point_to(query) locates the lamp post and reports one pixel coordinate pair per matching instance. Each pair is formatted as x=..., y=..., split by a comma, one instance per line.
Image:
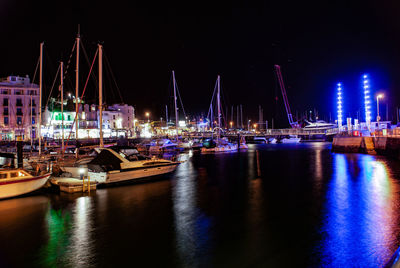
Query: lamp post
x=248, y=125
x=255, y=127
x=367, y=101
x=231, y=124
x=148, y=117
x=378, y=118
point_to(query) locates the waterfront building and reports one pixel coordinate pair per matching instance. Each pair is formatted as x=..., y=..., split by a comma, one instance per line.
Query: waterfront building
x=19, y=114
x=53, y=121
x=19, y=103
x=124, y=118
x=118, y=120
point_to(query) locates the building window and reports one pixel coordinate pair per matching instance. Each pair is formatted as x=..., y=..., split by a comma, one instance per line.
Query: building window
x=33, y=111
x=33, y=120
x=5, y=102
x=19, y=120
x=19, y=102
x=114, y=117
x=19, y=111
x=5, y=112
x=5, y=120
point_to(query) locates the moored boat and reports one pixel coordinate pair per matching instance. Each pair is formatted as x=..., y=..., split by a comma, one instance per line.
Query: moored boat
x=162, y=145
x=16, y=182
x=291, y=139
x=221, y=145
x=111, y=167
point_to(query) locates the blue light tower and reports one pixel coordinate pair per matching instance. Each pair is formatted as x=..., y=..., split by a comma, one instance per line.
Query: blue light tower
x=367, y=100
x=339, y=105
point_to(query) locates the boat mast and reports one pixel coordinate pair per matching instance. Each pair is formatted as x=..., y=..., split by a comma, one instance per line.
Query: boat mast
x=219, y=108
x=62, y=106
x=166, y=114
x=78, y=39
x=176, y=108
x=31, y=124
x=40, y=98
x=101, y=94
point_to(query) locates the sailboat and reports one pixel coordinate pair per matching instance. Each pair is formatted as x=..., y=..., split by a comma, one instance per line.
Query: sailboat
x=220, y=144
x=112, y=165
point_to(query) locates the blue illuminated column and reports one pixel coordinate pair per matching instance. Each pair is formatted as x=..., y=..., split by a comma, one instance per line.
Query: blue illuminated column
x=339, y=106
x=367, y=100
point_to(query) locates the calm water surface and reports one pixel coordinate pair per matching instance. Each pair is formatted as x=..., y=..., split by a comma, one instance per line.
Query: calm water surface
x=309, y=208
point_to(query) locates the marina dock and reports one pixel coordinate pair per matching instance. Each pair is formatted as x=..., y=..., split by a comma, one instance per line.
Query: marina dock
x=73, y=185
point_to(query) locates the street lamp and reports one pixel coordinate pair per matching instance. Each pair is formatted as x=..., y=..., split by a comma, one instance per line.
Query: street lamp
x=255, y=127
x=248, y=125
x=147, y=115
x=231, y=124
x=380, y=96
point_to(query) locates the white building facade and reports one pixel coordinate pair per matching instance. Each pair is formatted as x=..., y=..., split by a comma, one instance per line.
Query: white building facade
x=19, y=108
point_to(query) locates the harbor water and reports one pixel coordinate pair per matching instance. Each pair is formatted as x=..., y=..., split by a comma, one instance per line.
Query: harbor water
x=309, y=208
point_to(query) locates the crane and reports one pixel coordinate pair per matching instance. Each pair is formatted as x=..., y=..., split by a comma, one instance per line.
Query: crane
x=285, y=99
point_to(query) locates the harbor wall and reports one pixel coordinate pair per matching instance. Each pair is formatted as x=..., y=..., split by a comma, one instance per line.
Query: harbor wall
x=347, y=144
x=389, y=146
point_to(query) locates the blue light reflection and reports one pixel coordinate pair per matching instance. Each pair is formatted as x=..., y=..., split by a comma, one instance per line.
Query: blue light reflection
x=360, y=222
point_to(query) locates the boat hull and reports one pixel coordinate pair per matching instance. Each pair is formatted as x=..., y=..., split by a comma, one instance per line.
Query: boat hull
x=291, y=140
x=130, y=175
x=15, y=188
x=225, y=148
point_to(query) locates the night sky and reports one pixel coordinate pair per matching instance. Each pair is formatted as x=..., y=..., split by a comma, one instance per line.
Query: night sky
x=316, y=43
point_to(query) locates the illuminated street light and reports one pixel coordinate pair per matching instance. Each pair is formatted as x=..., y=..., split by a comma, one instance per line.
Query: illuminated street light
x=339, y=105
x=367, y=100
x=255, y=127
x=231, y=124
x=148, y=117
x=380, y=96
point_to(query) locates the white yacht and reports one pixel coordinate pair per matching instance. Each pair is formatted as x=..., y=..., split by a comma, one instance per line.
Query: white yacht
x=110, y=167
x=290, y=139
x=319, y=125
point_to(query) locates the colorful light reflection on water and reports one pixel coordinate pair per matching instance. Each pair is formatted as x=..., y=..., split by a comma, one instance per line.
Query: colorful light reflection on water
x=309, y=207
x=360, y=218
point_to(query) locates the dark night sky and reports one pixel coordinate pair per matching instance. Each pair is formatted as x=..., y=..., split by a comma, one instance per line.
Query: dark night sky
x=316, y=43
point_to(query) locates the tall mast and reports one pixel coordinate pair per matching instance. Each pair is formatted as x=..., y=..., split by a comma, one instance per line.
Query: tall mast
x=241, y=116
x=237, y=117
x=78, y=39
x=176, y=108
x=101, y=94
x=232, y=114
x=31, y=123
x=219, y=106
x=62, y=106
x=40, y=98
x=166, y=114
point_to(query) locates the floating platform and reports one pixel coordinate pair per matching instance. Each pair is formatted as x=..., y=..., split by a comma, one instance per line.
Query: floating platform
x=73, y=185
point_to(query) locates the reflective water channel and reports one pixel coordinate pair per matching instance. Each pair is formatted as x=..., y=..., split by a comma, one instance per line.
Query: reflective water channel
x=309, y=208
